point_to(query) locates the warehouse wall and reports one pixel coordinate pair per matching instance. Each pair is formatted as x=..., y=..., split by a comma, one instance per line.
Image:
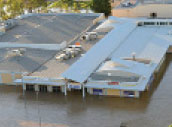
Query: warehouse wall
x=170, y=49
x=113, y=92
x=110, y=92
x=162, y=10
x=9, y=77
x=6, y=78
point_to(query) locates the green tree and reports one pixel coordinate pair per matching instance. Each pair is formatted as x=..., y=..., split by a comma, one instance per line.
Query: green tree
x=101, y=6
x=30, y=5
x=71, y=5
x=62, y=4
x=14, y=8
x=3, y=15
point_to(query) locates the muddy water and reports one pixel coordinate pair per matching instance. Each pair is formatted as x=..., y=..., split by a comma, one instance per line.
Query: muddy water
x=153, y=109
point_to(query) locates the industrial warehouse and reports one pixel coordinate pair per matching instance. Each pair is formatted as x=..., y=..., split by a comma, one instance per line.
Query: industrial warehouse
x=124, y=62
x=30, y=42
x=61, y=52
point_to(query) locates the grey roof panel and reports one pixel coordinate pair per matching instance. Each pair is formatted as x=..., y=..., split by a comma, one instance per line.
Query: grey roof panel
x=82, y=69
x=40, y=30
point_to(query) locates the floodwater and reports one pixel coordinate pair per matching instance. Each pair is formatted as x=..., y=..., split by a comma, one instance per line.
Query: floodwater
x=153, y=109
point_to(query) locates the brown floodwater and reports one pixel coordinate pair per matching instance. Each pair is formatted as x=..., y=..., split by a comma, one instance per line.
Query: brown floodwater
x=153, y=109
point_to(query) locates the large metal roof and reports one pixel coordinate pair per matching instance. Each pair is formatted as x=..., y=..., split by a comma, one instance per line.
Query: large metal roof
x=41, y=35
x=83, y=68
x=147, y=42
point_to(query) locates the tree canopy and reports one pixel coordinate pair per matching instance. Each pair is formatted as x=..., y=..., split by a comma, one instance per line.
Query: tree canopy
x=101, y=6
x=33, y=4
x=72, y=5
x=13, y=8
x=2, y=12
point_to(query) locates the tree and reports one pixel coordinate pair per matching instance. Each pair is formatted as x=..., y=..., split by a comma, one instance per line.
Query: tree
x=33, y=4
x=62, y=4
x=79, y=5
x=14, y=8
x=70, y=5
x=3, y=14
x=101, y=6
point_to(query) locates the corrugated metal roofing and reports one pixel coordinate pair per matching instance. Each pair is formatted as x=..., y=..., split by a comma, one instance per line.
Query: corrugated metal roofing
x=42, y=31
x=147, y=42
x=82, y=69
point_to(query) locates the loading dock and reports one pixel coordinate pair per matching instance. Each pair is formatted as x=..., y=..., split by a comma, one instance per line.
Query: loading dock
x=42, y=88
x=56, y=89
x=30, y=87
x=43, y=84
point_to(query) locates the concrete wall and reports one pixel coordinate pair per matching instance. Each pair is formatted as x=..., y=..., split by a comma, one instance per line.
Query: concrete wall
x=6, y=78
x=9, y=77
x=108, y=92
x=169, y=50
x=115, y=3
x=114, y=92
x=136, y=94
x=162, y=10
x=17, y=76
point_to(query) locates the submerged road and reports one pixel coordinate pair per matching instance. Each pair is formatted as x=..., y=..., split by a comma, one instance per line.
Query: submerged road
x=153, y=109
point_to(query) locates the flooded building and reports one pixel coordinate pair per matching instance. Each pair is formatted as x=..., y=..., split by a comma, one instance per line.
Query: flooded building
x=124, y=62
x=66, y=52
x=28, y=49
